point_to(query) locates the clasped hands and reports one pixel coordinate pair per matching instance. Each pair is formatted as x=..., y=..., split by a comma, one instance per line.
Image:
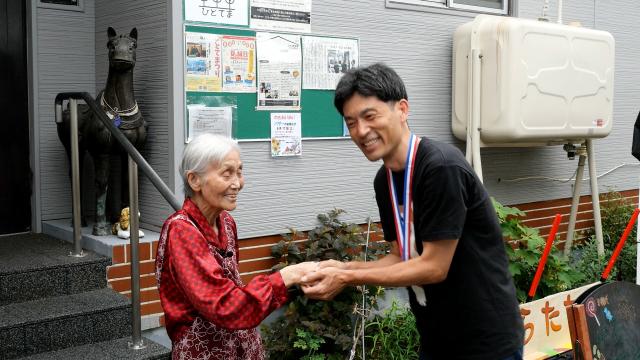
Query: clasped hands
x=319, y=280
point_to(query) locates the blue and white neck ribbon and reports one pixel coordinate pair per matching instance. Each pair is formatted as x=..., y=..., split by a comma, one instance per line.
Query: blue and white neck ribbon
x=403, y=220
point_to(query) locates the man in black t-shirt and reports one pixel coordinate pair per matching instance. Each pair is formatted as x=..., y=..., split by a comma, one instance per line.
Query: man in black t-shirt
x=447, y=245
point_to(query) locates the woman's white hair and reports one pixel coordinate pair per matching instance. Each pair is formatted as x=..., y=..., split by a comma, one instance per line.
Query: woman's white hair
x=204, y=150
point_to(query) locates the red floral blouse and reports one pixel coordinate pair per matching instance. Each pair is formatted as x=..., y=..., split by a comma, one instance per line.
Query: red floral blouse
x=209, y=312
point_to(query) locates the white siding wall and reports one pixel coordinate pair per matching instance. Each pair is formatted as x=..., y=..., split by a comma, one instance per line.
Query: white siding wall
x=71, y=56
x=331, y=173
x=618, y=18
x=65, y=61
x=417, y=44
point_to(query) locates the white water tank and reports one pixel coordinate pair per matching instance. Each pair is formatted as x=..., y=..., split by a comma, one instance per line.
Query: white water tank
x=541, y=83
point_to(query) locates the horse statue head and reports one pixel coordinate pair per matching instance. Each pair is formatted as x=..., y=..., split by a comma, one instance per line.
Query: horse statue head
x=122, y=49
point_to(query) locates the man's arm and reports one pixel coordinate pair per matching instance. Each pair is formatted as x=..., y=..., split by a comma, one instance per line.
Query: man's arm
x=429, y=268
x=392, y=258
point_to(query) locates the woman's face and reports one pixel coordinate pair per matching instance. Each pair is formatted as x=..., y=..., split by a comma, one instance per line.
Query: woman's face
x=220, y=185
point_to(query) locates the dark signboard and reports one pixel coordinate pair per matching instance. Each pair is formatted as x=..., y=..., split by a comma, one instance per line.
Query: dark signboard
x=613, y=318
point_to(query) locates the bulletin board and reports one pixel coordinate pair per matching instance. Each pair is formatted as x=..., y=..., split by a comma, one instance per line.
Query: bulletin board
x=320, y=119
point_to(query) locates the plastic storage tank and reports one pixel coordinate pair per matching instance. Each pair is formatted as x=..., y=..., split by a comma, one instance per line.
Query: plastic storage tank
x=541, y=83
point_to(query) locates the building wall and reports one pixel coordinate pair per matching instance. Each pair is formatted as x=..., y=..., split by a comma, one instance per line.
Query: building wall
x=332, y=173
x=119, y=279
x=281, y=193
x=64, y=60
x=613, y=151
x=255, y=253
x=71, y=55
x=256, y=259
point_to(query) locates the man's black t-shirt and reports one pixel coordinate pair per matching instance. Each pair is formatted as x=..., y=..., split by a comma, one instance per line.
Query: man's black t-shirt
x=474, y=313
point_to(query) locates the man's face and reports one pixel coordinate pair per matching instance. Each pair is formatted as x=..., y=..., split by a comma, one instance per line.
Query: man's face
x=375, y=126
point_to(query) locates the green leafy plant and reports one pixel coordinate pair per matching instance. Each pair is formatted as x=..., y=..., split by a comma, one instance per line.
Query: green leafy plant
x=309, y=342
x=591, y=265
x=392, y=334
x=332, y=321
x=616, y=212
x=524, y=247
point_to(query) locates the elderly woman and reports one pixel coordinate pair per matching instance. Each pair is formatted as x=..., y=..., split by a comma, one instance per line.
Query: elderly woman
x=209, y=312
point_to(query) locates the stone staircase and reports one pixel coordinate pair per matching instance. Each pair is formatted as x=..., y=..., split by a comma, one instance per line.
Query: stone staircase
x=53, y=306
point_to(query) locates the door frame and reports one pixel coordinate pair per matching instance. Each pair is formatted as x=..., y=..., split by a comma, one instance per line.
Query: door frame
x=34, y=128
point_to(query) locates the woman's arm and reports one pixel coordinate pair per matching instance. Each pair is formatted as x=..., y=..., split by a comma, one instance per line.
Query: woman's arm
x=392, y=258
x=217, y=298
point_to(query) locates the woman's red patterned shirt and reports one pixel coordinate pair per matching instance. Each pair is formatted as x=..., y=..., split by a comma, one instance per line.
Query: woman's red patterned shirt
x=209, y=312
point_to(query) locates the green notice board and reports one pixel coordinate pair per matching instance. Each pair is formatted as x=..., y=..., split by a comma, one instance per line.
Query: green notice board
x=319, y=116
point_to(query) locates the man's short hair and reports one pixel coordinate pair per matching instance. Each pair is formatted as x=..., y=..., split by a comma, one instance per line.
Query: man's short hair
x=377, y=80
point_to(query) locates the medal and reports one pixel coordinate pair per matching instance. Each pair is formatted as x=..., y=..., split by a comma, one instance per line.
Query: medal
x=403, y=220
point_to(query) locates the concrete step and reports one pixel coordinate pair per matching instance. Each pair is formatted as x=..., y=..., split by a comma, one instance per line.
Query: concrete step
x=61, y=322
x=35, y=266
x=61, y=229
x=112, y=349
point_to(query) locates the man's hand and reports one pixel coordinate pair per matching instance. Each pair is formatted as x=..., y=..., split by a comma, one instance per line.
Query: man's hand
x=325, y=283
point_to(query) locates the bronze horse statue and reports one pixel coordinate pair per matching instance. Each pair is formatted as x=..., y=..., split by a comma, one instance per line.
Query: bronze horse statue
x=119, y=103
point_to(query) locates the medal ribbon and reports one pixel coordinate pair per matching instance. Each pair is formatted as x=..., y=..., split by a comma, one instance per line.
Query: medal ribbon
x=403, y=221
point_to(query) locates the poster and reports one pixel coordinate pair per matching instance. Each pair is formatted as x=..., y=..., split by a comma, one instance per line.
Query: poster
x=203, y=62
x=205, y=119
x=286, y=134
x=279, y=71
x=239, y=63
x=326, y=59
x=229, y=12
x=281, y=15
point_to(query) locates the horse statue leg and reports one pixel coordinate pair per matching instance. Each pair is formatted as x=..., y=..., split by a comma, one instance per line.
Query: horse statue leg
x=101, y=164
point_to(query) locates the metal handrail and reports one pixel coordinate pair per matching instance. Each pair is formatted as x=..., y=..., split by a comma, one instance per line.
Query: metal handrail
x=135, y=160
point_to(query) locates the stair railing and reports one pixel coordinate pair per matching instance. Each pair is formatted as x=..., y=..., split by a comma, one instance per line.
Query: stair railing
x=135, y=160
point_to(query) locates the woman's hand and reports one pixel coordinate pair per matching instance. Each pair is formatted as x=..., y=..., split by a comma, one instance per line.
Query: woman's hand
x=333, y=263
x=293, y=274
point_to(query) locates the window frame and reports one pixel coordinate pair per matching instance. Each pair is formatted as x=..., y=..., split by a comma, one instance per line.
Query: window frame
x=450, y=6
x=503, y=11
x=79, y=6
